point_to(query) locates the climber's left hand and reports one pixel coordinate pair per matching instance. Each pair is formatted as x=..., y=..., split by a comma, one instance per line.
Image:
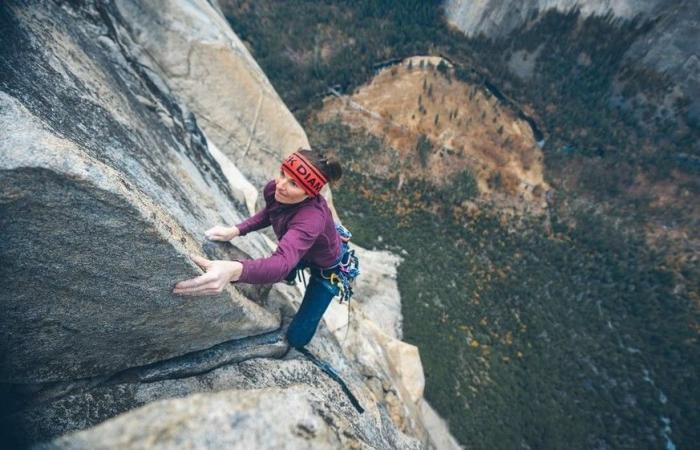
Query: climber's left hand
x=218, y=274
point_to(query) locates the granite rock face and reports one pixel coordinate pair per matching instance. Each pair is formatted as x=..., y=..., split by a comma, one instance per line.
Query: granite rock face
x=670, y=48
x=378, y=294
x=496, y=18
x=256, y=404
x=107, y=185
x=209, y=68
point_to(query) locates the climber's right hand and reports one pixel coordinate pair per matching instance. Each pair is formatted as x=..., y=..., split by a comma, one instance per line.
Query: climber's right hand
x=218, y=274
x=221, y=233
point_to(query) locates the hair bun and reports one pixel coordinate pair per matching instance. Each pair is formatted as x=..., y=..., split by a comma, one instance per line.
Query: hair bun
x=333, y=170
x=327, y=164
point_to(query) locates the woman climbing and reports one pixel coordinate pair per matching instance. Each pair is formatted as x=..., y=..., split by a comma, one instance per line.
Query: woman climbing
x=307, y=235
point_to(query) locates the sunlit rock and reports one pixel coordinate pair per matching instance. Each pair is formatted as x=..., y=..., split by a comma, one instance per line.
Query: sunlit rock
x=209, y=68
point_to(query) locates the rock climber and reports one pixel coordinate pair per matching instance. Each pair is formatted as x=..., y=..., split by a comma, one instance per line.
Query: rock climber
x=308, y=237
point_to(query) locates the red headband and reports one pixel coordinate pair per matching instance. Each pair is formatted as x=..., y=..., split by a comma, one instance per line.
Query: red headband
x=306, y=174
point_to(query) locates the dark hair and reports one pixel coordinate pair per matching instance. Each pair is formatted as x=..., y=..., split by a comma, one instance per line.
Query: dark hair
x=327, y=164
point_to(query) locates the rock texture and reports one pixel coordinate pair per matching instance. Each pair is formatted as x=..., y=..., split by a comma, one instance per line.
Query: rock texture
x=378, y=294
x=209, y=68
x=107, y=183
x=496, y=18
x=669, y=48
x=55, y=409
x=278, y=404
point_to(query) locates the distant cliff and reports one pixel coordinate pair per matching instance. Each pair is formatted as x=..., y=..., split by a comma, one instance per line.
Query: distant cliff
x=496, y=18
x=669, y=48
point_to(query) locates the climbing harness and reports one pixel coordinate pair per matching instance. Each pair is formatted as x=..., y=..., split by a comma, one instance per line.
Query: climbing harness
x=342, y=273
x=330, y=371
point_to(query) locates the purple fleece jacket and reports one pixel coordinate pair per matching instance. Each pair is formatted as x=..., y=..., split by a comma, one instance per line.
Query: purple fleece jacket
x=305, y=231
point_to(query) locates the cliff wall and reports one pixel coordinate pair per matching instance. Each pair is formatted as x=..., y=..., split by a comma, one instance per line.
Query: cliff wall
x=497, y=18
x=669, y=48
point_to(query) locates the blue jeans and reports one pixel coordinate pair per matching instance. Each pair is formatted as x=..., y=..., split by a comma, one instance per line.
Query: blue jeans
x=318, y=296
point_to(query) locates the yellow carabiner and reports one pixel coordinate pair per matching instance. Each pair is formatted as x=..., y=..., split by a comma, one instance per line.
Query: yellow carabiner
x=334, y=278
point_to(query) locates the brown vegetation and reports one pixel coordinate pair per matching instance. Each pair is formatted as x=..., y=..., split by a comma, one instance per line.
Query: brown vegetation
x=441, y=126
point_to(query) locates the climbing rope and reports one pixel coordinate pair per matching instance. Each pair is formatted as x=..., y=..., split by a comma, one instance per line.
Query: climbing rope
x=330, y=371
